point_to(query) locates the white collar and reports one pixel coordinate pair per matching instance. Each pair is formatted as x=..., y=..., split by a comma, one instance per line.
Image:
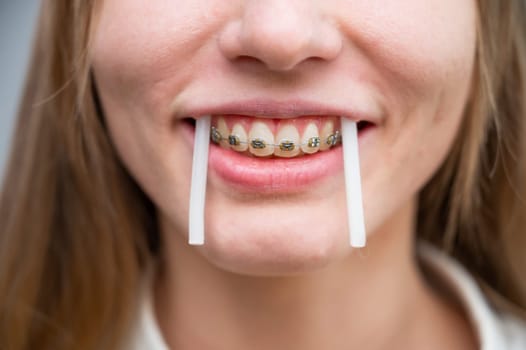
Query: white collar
x=147, y=335
x=483, y=319
x=494, y=332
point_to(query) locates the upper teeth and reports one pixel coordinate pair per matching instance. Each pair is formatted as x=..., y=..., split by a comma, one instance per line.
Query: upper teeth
x=287, y=138
x=261, y=142
x=261, y=139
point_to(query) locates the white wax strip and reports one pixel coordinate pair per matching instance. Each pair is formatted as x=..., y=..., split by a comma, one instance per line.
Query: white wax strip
x=196, y=234
x=353, y=183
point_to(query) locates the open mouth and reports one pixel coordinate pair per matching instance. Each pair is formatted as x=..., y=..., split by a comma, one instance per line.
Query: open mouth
x=260, y=156
x=277, y=138
x=271, y=155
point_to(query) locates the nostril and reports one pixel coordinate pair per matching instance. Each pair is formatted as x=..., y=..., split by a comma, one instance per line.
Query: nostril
x=248, y=59
x=270, y=63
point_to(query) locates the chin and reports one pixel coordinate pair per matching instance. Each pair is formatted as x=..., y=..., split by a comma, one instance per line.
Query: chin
x=276, y=247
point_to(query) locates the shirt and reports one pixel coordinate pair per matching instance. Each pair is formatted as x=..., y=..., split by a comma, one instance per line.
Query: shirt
x=495, y=331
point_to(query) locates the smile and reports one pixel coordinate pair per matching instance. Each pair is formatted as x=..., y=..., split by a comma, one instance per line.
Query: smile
x=276, y=138
x=277, y=176
x=261, y=147
x=271, y=155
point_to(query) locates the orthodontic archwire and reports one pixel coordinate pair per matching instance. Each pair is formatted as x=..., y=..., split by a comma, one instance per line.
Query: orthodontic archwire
x=285, y=145
x=206, y=133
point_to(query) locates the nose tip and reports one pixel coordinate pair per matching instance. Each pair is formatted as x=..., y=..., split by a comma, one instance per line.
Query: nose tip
x=280, y=38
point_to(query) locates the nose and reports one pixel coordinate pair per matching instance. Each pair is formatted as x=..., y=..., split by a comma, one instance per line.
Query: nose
x=280, y=34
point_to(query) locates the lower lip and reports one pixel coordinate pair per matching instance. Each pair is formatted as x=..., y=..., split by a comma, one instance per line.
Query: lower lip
x=273, y=175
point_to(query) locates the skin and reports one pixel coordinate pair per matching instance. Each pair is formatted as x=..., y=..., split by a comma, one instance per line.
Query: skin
x=407, y=63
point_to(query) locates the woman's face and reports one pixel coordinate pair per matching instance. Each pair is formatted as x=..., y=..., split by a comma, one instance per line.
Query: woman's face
x=283, y=70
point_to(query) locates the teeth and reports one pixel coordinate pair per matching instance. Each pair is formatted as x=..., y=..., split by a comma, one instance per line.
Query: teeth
x=287, y=143
x=215, y=135
x=310, y=141
x=334, y=139
x=261, y=140
x=238, y=139
x=288, y=140
x=222, y=128
x=326, y=131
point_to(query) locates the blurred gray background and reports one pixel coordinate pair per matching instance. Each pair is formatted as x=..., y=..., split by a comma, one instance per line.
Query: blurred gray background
x=17, y=23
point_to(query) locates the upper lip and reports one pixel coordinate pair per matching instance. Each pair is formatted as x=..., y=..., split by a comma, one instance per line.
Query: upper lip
x=284, y=109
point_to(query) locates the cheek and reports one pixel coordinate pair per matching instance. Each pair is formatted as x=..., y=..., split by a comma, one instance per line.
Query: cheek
x=426, y=61
x=151, y=151
x=140, y=48
x=414, y=44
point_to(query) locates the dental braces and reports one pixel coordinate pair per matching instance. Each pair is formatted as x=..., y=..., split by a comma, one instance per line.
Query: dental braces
x=285, y=145
x=351, y=163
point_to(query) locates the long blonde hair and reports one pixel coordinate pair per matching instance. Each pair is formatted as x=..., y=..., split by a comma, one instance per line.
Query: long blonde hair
x=76, y=232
